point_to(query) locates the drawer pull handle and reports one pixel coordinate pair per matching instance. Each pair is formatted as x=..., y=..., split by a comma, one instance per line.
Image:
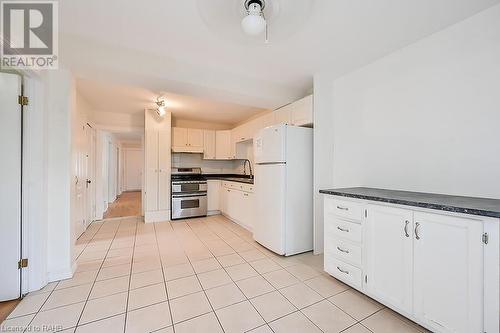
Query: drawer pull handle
x=417, y=228
x=406, y=228
x=342, y=229
x=341, y=270
x=342, y=250
x=342, y=208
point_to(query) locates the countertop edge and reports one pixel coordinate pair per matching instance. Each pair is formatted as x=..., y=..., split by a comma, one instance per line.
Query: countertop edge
x=447, y=208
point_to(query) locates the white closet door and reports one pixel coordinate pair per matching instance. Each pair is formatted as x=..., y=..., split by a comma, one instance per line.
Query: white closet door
x=151, y=171
x=10, y=191
x=164, y=165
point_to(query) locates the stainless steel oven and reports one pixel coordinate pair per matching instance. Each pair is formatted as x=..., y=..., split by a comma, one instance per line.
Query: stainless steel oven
x=189, y=193
x=189, y=186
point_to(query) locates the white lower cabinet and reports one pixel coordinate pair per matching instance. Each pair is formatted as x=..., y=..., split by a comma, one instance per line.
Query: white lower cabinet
x=448, y=273
x=426, y=265
x=389, y=255
x=237, y=203
x=213, y=196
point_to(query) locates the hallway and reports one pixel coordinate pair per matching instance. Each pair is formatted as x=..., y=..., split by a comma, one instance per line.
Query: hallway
x=202, y=275
x=127, y=204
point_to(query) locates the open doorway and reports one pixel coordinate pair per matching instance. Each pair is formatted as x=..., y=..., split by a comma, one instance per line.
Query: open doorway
x=124, y=175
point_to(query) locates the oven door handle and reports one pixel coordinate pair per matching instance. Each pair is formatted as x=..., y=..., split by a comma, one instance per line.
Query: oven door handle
x=189, y=195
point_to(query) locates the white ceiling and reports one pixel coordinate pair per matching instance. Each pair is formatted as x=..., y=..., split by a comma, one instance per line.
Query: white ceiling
x=113, y=98
x=167, y=45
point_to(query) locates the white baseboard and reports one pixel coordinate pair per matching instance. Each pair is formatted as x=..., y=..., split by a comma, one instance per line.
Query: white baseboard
x=247, y=227
x=157, y=216
x=213, y=212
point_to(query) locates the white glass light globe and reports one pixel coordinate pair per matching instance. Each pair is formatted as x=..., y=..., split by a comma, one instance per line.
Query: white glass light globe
x=253, y=24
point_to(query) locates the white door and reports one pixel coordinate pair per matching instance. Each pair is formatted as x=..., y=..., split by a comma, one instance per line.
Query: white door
x=448, y=266
x=80, y=171
x=270, y=144
x=91, y=170
x=269, y=223
x=133, y=169
x=151, y=148
x=164, y=165
x=389, y=255
x=10, y=189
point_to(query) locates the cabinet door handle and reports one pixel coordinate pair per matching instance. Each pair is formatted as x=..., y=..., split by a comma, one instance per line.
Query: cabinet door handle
x=417, y=228
x=343, y=271
x=406, y=228
x=342, y=229
x=342, y=250
x=342, y=208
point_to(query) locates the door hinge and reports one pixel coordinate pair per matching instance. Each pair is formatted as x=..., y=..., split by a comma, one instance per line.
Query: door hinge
x=485, y=237
x=23, y=263
x=23, y=100
x=366, y=212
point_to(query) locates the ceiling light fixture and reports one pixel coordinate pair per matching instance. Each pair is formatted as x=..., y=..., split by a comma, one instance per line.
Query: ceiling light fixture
x=254, y=23
x=162, y=108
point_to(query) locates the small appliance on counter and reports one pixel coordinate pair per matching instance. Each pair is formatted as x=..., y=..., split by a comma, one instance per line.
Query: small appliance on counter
x=189, y=193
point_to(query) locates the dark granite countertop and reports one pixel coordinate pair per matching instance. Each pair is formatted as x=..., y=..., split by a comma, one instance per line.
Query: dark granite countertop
x=231, y=178
x=449, y=203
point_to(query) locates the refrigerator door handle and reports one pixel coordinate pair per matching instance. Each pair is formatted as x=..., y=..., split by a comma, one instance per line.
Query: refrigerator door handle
x=272, y=163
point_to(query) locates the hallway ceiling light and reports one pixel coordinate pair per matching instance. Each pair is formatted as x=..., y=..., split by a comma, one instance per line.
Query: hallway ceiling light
x=162, y=108
x=254, y=23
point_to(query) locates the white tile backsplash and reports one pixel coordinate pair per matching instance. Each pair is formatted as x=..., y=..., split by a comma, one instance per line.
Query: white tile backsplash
x=207, y=166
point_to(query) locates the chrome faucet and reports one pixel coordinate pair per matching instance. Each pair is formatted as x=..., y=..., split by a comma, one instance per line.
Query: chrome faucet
x=249, y=167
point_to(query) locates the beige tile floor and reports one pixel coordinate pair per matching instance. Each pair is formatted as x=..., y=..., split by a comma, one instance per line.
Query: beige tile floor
x=200, y=275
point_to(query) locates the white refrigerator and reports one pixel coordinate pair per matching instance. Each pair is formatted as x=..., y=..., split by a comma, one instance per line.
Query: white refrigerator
x=284, y=189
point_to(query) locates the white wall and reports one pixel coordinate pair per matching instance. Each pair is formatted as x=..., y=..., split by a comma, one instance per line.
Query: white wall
x=323, y=151
x=60, y=107
x=424, y=118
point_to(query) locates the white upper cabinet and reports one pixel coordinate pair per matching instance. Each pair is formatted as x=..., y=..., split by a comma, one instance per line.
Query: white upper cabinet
x=266, y=120
x=388, y=244
x=299, y=113
x=195, y=138
x=283, y=116
x=209, y=143
x=302, y=112
x=448, y=278
x=223, y=148
x=179, y=137
x=188, y=140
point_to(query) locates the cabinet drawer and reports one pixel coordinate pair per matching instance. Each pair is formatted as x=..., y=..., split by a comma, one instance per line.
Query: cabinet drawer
x=343, y=250
x=344, y=229
x=344, y=272
x=346, y=209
